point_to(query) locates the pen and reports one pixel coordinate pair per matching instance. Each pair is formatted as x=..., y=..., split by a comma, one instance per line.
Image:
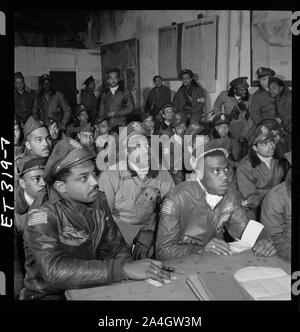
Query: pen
x=168, y=269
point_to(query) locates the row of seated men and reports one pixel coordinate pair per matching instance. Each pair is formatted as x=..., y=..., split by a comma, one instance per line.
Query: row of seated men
x=82, y=220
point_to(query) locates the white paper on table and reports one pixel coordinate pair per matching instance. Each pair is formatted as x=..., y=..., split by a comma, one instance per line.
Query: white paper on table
x=249, y=237
x=265, y=283
x=159, y=284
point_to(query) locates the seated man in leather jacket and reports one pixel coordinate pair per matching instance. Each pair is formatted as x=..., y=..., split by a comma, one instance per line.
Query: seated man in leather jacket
x=70, y=238
x=195, y=213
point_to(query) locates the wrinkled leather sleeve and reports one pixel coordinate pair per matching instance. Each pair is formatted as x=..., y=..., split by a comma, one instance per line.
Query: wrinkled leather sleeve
x=168, y=241
x=61, y=271
x=237, y=222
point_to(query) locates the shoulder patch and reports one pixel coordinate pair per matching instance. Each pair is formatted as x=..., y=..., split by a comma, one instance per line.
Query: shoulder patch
x=37, y=218
x=169, y=207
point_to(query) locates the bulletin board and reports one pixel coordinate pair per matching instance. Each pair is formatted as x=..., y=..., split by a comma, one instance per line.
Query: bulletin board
x=271, y=43
x=191, y=45
x=125, y=56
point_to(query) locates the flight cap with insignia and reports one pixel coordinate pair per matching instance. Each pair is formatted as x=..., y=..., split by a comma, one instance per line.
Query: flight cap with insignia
x=263, y=71
x=89, y=80
x=66, y=153
x=239, y=82
x=220, y=119
x=32, y=124
x=86, y=128
x=200, y=150
x=185, y=71
x=30, y=163
x=261, y=135
x=79, y=108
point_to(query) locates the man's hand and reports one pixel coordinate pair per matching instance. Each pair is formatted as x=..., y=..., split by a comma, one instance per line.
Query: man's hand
x=142, y=244
x=144, y=269
x=217, y=246
x=264, y=247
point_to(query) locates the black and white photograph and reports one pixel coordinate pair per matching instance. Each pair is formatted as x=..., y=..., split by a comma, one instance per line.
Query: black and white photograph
x=152, y=159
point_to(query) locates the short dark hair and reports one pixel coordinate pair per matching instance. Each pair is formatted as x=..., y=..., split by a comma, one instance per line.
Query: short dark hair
x=156, y=77
x=62, y=175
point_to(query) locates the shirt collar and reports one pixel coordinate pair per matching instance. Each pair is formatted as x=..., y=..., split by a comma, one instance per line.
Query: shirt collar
x=113, y=89
x=28, y=198
x=212, y=200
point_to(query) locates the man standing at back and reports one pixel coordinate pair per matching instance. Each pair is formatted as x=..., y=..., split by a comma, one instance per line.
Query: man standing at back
x=51, y=104
x=158, y=97
x=116, y=101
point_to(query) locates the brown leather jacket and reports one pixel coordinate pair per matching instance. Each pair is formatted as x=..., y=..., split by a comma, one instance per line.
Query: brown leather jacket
x=66, y=249
x=187, y=223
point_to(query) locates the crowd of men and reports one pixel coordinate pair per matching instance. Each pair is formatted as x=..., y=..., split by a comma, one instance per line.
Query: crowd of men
x=97, y=203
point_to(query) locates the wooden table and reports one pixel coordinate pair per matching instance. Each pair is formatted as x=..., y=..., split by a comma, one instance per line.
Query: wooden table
x=177, y=289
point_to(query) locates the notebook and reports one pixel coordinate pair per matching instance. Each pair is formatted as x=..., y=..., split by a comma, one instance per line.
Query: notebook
x=216, y=287
x=265, y=283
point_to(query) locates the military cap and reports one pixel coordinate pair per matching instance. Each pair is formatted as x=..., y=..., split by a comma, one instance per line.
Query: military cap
x=79, y=108
x=32, y=124
x=261, y=135
x=44, y=77
x=220, y=119
x=240, y=81
x=86, y=128
x=102, y=118
x=113, y=70
x=89, y=80
x=263, y=71
x=18, y=74
x=270, y=124
x=168, y=106
x=66, y=153
x=203, y=149
x=179, y=118
x=30, y=163
x=49, y=122
x=185, y=71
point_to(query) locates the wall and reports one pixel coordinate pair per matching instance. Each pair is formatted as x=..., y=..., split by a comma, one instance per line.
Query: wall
x=35, y=61
x=233, y=41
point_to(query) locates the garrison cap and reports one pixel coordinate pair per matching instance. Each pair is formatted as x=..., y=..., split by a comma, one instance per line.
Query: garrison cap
x=89, y=80
x=261, y=135
x=30, y=163
x=66, y=153
x=220, y=119
x=263, y=71
x=145, y=115
x=194, y=129
x=79, y=108
x=86, y=128
x=185, y=71
x=173, y=106
x=239, y=82
x=32, y=124
x=276, y=80
x=270, y=124
x=49, y=122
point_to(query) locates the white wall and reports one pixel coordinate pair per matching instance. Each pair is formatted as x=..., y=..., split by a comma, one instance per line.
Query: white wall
x=35, y=61
x=233, y=44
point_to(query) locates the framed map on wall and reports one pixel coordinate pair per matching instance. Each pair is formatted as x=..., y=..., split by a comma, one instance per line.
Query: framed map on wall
x=271, y=43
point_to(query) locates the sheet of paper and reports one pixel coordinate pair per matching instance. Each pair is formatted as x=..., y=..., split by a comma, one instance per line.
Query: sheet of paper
x=239, y=246
x=258, y=272
x=251, y=232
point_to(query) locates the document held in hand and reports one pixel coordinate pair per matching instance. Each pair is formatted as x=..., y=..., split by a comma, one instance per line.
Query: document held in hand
x=249, y=237
x=265, y=283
